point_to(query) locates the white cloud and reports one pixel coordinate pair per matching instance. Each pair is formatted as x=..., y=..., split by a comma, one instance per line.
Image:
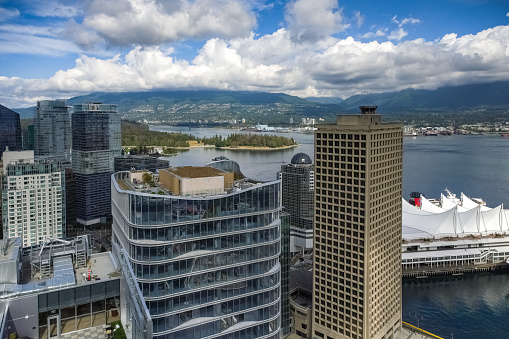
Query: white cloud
x=54, y=8
x=359, y=18
x=397, y=34
x=48, y=31
x=311, y=20
x=374, y=34
x=154, y=22
x=7, y=13
x=38, y=45
x=507, y=15
x=276, y=63
x=405, y=21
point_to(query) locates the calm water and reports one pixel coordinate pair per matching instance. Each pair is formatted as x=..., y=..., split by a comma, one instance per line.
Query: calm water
x=469, y=307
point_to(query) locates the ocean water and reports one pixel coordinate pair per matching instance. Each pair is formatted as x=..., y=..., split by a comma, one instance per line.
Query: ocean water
x=464, y=307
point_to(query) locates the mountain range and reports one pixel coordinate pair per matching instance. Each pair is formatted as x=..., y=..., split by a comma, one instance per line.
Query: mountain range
x=223, y=106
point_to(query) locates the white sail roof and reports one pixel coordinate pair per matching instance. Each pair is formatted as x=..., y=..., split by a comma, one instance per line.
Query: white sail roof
x=469, y=203
x=428, y=206
x=469, y=221
x=437, y=224
x=433, y=221
x=447, y=204
x=492, y=219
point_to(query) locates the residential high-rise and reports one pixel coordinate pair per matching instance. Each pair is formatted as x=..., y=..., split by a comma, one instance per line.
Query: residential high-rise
x=205, y=250
x=52, y=129
x=95, y=142
x=33, y=198
x=10, y=130
x=297, y=187
x=357, y=242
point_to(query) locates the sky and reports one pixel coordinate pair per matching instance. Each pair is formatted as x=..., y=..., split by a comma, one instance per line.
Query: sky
x=52, y=49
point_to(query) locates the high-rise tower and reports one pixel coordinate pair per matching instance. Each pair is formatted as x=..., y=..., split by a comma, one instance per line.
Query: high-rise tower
x=297, y=186
x=33, y=198
x=52, y=128
x=10, y=130
x=205, y=251
x=95, y=142
x=357, y=229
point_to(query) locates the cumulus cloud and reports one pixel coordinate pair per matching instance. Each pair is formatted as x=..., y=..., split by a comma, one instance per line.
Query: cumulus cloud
x=397, y=34
x=311, y=20
x=154, y=22
x=379, y=32
x=276, y=63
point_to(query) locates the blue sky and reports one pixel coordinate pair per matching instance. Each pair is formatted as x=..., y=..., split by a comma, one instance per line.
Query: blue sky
x=61, y=48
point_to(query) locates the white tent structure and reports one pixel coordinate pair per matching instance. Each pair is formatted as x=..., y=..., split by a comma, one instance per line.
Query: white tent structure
x=452, y=220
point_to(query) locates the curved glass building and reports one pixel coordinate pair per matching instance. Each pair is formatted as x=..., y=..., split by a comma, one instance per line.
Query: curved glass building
x=204, y=249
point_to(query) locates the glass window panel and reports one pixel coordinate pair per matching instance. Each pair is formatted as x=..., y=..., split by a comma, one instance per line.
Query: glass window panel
x=53, y=300
x=66, y=297
x=67, y=325
x=42, y=302
x=97, y=291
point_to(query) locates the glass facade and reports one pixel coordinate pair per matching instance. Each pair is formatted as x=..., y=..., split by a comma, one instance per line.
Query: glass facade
x=10, y=130
x=208, y=267
x=52, y=128
x=95, y=143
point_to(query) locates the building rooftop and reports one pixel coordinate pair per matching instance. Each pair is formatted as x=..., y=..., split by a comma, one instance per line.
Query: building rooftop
x=125, y=181
x=195, y=172
x=55, y=265
x=301, y=159
x=101, y=268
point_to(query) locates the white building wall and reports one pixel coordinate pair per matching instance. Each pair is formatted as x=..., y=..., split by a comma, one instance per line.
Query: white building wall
x=196, y=186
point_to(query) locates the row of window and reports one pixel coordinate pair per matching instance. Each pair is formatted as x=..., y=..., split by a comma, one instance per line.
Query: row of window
x=214, y=294
x=269, y=329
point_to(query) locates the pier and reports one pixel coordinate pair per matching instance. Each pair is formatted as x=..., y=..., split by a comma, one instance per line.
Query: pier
x=425, y=272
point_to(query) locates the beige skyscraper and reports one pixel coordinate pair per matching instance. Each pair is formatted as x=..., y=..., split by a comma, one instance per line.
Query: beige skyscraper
x=357, y=230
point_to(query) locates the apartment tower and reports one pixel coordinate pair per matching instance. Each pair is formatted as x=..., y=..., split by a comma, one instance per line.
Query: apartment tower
x=205, y=251
x=95, y=142
x=33, y=198
x=52, y=128
x=357, y=229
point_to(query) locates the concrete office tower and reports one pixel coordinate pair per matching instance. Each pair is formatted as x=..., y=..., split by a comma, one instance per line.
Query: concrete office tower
x=205, y=250
x=95, y=142
x=52, y=129
x=33, y=198
x=357, y=243
x=298, y=188
x=10, y=130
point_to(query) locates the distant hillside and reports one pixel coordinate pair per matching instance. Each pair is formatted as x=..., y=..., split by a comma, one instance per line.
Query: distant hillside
x=444, y=98
x=128, y=99
x=221, y=107
x=325, y=100
x=209, y=106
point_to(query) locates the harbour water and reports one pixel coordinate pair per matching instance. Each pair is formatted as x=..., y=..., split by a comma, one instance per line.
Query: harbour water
x=464, y=307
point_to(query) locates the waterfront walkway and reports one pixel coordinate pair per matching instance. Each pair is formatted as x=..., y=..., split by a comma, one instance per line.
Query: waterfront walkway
x=409, y=331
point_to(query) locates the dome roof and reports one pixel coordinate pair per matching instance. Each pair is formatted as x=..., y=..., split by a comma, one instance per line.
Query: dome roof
x=301, y=159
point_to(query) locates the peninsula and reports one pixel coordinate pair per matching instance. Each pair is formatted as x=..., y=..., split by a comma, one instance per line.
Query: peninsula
x=138, y=139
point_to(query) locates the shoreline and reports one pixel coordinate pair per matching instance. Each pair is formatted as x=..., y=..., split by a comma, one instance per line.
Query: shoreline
x=241, y=148
x=255, y=148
